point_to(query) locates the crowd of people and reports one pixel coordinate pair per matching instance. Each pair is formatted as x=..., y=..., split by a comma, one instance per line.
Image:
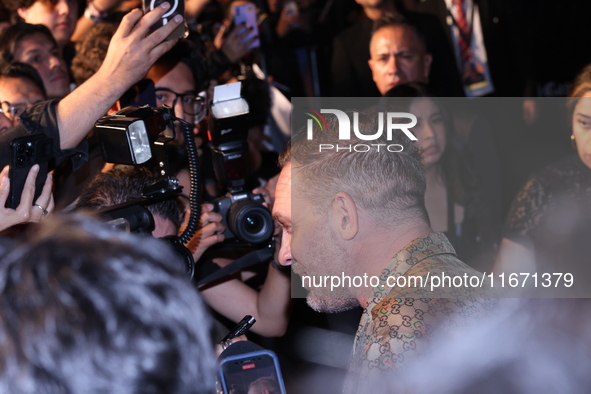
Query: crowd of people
x=485, y=184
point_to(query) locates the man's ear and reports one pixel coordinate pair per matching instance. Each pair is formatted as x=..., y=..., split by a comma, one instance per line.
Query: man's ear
x=23, y=12
x=345, y=216
x=370, y=64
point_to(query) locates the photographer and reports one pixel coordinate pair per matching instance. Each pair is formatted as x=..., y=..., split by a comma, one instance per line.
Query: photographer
x=229, y=296
x=20, y=87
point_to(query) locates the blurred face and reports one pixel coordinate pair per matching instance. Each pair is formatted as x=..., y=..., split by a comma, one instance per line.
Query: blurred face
x=177, y=90
x=397, y=56
x=38, y=51
x=17, y=94
x=59, y=16
x=4, y=26
x=430, y=130
x=370, y=3
x=582, y=128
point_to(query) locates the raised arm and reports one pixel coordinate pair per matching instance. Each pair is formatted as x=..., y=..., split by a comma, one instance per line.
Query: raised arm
x=131, y=53
x=270, y=306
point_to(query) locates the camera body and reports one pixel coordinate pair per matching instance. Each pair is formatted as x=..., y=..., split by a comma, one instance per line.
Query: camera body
x=245, y=217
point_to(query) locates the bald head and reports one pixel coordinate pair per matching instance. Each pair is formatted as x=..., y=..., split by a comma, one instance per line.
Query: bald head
x=398, y=55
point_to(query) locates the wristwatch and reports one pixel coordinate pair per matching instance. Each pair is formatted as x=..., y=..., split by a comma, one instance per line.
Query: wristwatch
x=92, y=13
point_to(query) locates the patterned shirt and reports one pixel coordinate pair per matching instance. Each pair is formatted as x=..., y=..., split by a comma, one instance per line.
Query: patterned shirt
x=398, y=321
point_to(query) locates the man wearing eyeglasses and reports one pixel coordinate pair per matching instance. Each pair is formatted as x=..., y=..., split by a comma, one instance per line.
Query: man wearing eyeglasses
x=4, y=124
x=179, y=78
x=20, y=87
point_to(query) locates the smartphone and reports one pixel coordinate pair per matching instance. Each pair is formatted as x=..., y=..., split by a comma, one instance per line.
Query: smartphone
x=177, y=7
x=247, y=14
x=25, y=152
x=291, y=8
x=258, y=369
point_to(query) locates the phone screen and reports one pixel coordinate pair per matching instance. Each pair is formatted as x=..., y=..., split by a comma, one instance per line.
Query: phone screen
x=258, y=369
x=177, y=7
x=247, y=14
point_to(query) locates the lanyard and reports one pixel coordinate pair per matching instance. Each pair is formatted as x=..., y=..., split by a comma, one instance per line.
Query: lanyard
x=466, y=36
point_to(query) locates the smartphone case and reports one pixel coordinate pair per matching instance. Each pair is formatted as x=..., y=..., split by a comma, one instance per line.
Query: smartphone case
x=25, y=152
x=249, y=356
x=247, y=14
x=177, y=8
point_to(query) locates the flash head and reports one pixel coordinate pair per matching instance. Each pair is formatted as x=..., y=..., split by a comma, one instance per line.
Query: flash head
x=127, y=136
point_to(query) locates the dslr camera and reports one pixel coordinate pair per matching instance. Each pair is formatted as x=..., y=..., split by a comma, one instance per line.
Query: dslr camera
x=245, y=217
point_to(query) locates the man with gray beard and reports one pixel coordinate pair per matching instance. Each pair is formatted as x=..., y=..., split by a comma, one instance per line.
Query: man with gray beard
x=355, y=228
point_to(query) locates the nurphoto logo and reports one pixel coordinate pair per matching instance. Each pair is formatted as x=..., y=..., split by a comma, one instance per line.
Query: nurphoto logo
x=392, y=124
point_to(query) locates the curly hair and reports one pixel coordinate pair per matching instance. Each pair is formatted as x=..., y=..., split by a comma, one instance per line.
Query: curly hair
x=91, y=51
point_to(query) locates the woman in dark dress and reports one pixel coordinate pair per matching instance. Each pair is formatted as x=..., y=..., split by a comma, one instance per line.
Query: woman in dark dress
x=548, y=229
x=453, y=197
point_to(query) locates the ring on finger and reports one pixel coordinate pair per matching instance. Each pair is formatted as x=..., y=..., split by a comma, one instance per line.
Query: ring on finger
x=42, y=210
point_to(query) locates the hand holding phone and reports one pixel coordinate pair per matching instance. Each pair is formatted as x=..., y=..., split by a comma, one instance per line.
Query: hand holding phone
x=246, y=15
x=177, y=7
x=25, y=152
x=291, y=8
x=26, y=211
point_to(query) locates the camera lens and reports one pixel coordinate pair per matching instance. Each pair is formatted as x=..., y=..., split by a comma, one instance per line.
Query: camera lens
x=253, y=224
x=250, y=221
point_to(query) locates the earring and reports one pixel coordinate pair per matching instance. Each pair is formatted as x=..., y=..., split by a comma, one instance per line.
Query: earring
x=573, y=142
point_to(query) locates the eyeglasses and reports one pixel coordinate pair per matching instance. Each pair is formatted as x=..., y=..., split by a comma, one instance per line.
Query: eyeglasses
x=193, y=103
x=12, y=111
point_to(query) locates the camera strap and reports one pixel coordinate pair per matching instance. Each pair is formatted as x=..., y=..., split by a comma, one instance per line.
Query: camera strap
x=243, y=262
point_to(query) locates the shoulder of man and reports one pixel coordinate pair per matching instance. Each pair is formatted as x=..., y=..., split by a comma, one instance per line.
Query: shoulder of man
x=411, y=314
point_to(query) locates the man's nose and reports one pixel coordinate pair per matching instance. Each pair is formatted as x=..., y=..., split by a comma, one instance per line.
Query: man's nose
x=178, y=108
x=393, y=65
x=62, y=7
x=284, y=255
x=54, y=62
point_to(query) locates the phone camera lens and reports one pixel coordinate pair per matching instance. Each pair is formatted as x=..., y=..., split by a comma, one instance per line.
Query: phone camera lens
x=20, y=160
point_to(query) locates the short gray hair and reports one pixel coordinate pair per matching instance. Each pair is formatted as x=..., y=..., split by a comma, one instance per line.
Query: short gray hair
x=389, y=185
